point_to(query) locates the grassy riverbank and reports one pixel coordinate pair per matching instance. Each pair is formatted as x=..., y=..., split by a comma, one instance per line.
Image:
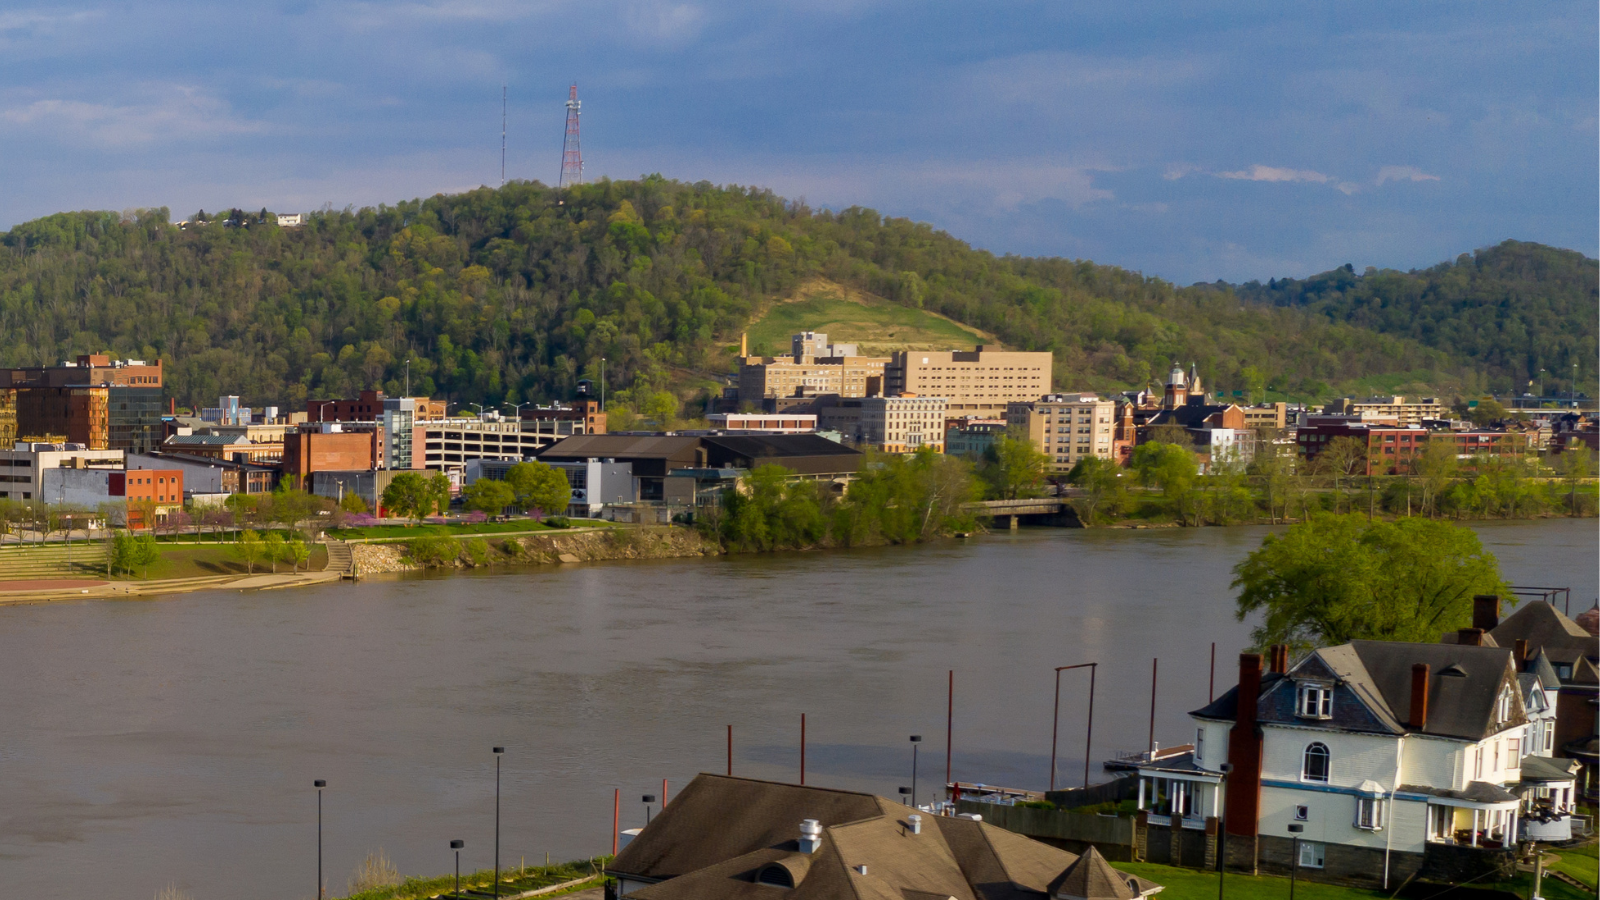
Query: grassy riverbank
x=1194, y=884
x=514, y=880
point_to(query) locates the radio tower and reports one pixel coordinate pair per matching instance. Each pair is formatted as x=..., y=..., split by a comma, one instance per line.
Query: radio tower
x=571, y=156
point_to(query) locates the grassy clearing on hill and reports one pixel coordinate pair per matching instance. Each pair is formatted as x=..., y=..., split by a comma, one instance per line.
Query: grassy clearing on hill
x=849, y=316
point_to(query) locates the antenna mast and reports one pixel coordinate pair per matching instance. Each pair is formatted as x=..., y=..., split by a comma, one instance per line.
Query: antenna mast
x=571, y=157
x=502, y=134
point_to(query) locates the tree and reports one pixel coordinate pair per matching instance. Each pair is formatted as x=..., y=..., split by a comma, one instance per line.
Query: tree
x=352, y=502
x=1573, y=466
x=249, y=549
x=540, y=486
x=407, y=496
x=1339, y=462
x=489, y=495
x=273, y=549
x=1014, y=467
x=1274, y=468
x=1337, y=578
x=145, y=552
x=1173, y=469
x=1434, y=469
x=296, y=552
x=1101, y=482
x=439, y=492
x=121, y=553
x=662, y=408
x=1487, y=412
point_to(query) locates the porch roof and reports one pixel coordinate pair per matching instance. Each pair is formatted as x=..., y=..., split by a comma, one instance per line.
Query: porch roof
x=1181, y=767
x=1478, y=795
x=1544, y=769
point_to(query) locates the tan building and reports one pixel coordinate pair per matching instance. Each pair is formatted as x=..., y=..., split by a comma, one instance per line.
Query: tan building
x=1398, y=410
x=764, y=377
x=1267, y=415
x=1067, y=427
x=976, y=381
x=891, y=424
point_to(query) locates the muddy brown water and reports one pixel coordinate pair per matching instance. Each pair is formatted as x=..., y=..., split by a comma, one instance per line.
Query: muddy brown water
x=174, y=741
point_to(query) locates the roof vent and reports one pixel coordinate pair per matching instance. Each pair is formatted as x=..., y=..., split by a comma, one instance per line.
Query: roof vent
x=810, y=835
x=1453, y=670
x=861, y=870
x=915, y=821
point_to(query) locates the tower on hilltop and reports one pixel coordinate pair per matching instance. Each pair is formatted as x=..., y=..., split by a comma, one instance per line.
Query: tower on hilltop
x=571, y=156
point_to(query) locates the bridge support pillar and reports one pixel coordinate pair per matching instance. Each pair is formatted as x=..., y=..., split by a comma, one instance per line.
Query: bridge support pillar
x=1014, y=522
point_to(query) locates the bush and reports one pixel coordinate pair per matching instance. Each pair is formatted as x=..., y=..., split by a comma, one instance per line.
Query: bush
x=1035, y=804
x=511, y=547
x=558, y=522
x=434, y=550
x=478, y=552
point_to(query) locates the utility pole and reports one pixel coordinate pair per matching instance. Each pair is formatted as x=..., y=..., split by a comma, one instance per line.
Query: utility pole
x=502, y=136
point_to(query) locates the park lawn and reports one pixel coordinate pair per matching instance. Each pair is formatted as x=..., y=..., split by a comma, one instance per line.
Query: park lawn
x=853, y=317
x=1193, y=884
x=406, y=532
x=1582, y=863
x=216, y=559
x=512, y=880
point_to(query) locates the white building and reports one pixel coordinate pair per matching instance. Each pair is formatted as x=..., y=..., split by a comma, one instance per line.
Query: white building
x=290, y=220
x=902, y=424
x=22, y=468
x=1372, y=751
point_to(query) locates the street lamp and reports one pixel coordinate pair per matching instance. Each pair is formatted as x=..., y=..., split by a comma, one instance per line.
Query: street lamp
x=1294, y=860
x=647, y=799
x=456, y=846
x=498, y=752
x=319, y=784
x=916, y=744
x=322, y=405
x=603, y=382
x=905, y=794
x=480, y=410
x=1088, y=740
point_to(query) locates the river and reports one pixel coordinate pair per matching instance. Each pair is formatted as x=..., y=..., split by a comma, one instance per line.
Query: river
x=174, y=741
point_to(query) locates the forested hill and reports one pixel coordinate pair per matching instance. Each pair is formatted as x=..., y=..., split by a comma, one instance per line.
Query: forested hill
x=514, y=294
x=1516, y=307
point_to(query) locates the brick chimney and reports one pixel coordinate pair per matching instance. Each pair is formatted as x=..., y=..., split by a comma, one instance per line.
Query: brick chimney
x=1244, y=752
x=1418, y=719
x=1485, y=611
x=1519, y=650
x=1280, y=659
x=1470, y=637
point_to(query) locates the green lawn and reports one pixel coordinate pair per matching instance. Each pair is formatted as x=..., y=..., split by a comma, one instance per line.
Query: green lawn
x=1581, y=863
x=1192, y=884
x=214, y=559
x=876, y=324
x=512, y=881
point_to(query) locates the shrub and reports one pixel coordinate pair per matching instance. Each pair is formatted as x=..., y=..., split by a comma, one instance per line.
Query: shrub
x=558, y=522
x=478, y=552
x=376, y=871
x=434, y=550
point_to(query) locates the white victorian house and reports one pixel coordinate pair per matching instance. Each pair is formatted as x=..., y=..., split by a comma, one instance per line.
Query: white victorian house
x=1357, y=759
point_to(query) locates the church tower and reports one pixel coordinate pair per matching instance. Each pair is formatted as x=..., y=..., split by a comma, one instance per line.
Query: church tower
x=1177, y=392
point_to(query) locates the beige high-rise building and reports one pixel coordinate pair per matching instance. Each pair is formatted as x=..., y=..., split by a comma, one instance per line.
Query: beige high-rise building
x=1400, y=410
x=814, y=367
x=891, y=424
x=1067, y=427
x=976, y=381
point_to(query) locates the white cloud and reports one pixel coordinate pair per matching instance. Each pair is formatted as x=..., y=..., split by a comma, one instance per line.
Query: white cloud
x=20, y=19
x=166, y=113
x=1273, y=173
x=1404, y=173
x=1174, y=171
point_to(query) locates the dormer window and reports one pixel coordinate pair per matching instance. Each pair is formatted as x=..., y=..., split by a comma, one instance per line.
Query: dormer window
x=1315, y=701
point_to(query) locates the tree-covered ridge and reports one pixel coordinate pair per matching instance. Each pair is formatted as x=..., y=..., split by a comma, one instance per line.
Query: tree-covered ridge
x=1515, y=307
x=514, y=294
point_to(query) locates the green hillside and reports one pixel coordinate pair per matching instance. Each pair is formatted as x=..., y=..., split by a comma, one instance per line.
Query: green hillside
x=878, y=326
x=514, y=294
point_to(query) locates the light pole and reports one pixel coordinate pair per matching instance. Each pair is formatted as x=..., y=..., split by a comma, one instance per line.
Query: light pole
x=647, y=799
x=480, y=410
x=408, y=376
x=916, y=744
x=603, y=382
x=1294, y=860
x=1088, y=740
x=322, y=405
x=319, y=784
x=456, y=846
x=1222, y=833
x=498, y=752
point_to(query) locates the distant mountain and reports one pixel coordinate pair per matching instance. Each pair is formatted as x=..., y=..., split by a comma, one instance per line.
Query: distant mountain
x=1515, y=308
x=511, y=295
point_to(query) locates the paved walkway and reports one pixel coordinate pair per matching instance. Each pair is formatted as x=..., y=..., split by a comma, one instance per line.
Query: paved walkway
x=41, y=584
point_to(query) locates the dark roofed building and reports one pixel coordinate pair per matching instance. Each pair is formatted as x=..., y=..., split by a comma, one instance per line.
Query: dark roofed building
x=728, y=838
x=655, y=456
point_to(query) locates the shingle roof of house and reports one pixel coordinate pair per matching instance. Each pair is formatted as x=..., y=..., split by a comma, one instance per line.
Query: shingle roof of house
x=714, y=840
x=1545, y=628
x=1464, y=683
x=1544, y=769
x=1092, y=878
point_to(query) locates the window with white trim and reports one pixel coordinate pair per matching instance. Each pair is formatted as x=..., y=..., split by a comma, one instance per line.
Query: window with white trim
x=1369, y=813
x=1503, y=708
x=1311, y=855
x=1316, y=763
x=1199, y=744
x=1315, y=701
x=1549, y=737
x=1514, y=753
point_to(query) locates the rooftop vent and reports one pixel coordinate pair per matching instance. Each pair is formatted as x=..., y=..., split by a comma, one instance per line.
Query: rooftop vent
x=1453, y=670
x=861, y=870
x=810, y=835
x=915, y=821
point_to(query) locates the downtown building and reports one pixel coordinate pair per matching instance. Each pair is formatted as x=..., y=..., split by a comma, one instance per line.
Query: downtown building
x=95, y=401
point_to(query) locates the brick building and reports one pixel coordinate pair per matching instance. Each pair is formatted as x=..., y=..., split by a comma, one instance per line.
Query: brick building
x=160, y=489
x=330, y=446
x=368, y=407
x=93, y=400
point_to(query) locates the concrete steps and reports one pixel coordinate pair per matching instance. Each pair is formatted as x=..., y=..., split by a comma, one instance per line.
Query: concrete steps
x=339, y=557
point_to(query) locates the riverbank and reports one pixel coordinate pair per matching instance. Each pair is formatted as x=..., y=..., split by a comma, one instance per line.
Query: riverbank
x=550, y=548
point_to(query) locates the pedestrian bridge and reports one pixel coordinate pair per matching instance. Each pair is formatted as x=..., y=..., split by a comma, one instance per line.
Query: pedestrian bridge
x=1056, y=510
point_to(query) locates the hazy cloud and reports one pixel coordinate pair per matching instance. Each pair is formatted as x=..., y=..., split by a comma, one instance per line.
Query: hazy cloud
x=1404, y=173
x=167, y=113
x=1274, y=173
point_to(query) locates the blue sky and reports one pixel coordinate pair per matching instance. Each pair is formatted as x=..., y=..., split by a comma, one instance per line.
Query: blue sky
x=1188, y=140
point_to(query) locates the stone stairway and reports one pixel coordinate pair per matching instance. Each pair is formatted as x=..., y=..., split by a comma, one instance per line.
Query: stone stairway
x=53, y=560
x=339, y=558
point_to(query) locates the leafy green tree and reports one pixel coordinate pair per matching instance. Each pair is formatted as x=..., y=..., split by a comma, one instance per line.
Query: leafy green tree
x=407, y=496
x=434, y=550
x=121, y=553
x=489, y=495
x=1573, y=467
x=540, y=486
x=1434, y=469
x=145, y=552
x=250, y=549
x=439, y=493
x=1338, y=578
x=1342, y=461
x=1174, y=470
x=661, y=407
x=1488, y=412
x=296, y=552
x=1014, y=467
x=352, y=502
x=1274, y=470
x=272, y=547
x=1101, y=480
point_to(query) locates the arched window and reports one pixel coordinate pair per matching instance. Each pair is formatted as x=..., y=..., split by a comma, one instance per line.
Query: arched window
x=1315, y=767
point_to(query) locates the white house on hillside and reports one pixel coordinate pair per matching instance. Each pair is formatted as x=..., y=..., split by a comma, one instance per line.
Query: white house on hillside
x=1372, y=750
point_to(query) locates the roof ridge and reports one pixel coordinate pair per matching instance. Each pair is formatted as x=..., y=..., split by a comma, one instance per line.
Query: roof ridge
x=789, y=784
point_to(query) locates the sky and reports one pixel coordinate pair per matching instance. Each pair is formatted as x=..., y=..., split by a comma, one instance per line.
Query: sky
x=1191, y=141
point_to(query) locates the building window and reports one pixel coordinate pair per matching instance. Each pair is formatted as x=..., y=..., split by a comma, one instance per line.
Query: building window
x=1316, y=701
x=1369, y=813
x=1315, y=767
x=1504, y=707
x=1311, y=855
x=1514, y=753
x=1549, y=736
x=1199, y=745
